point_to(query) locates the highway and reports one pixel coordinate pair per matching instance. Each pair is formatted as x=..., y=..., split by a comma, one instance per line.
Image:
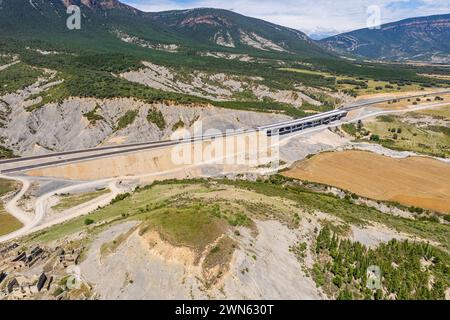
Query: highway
x=59, y=158
x=35, y=222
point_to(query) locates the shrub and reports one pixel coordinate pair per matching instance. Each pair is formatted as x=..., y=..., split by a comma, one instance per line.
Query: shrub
x=120, y=197
x=127, y=119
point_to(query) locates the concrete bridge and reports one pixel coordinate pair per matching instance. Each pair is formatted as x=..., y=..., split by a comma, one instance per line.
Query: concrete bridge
x=290, y=126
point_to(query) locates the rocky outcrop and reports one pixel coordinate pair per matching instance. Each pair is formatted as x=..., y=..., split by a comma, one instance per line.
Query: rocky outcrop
x=217, y=86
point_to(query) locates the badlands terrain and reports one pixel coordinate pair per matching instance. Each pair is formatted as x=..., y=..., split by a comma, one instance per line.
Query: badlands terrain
x=94, y=204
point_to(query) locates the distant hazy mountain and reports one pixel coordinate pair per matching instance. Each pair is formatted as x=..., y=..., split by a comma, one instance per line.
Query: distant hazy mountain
x=320, y=35
x=424, y=39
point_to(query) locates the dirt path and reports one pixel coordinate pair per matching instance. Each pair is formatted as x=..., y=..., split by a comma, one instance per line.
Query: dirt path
x=6, y=66
x=35, y=224
x=11, y=207
x=77, y=211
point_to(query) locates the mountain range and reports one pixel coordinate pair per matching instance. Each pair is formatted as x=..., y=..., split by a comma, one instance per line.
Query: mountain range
x=107, y=22
x=422, y=39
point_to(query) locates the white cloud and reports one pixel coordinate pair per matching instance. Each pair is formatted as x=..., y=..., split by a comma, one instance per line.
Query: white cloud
x=310, y=16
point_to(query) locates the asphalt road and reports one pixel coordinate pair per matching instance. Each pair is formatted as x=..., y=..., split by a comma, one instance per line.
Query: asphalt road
x=128, y=148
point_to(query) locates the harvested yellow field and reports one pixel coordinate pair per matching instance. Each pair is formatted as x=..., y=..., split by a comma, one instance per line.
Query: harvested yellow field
x=415, y=181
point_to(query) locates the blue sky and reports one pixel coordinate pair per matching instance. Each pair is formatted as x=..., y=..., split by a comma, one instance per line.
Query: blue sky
x=310, y=16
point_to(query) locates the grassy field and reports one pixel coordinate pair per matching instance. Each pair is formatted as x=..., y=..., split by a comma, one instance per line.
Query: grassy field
x=396, y=134
x=8, y=223
x=127, y=119
x=194, y=227
x=73, y=200
x=7, y=186
x=346, y=210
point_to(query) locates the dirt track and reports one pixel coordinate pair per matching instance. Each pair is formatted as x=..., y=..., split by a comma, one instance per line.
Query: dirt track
x=416, y=181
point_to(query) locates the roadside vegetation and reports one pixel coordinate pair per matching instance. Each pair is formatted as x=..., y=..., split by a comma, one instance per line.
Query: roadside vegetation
x=440, y=113
x=67, y=201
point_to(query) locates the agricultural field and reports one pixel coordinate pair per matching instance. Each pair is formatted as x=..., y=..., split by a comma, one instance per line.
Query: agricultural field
x=418, y=182
x=7, y=222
